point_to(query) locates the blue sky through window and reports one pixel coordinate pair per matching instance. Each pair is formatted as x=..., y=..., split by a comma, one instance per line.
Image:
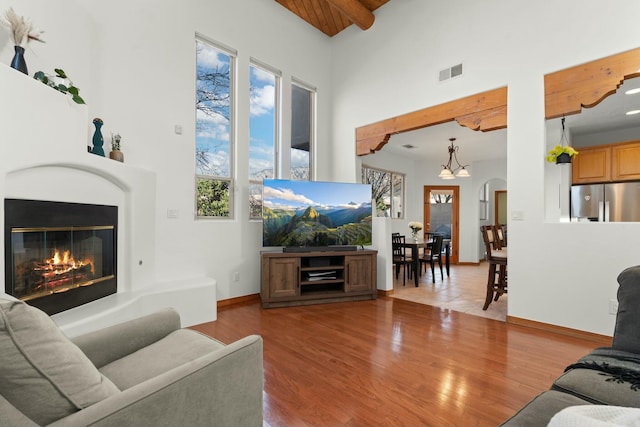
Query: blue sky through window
x=262, y=123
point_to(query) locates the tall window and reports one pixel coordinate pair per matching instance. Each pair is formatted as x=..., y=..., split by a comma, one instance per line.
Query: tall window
x=302, y=130
x=214, y=129
x=388, y=191
x=264, y=88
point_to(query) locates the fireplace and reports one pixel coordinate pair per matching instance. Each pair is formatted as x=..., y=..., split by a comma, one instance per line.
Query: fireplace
x=59, y=255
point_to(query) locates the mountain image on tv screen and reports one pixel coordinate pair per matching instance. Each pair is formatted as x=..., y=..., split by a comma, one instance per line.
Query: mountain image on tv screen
x=314, y=213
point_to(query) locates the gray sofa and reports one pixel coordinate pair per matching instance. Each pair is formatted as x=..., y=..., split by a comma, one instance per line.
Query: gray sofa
x=144, y=372
x=606, y=376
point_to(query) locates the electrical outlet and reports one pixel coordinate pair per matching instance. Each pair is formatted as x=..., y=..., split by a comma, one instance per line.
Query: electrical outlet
x=236, y=276
x=613, y=306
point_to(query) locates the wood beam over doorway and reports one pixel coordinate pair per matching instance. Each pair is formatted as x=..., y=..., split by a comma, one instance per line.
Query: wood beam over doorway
x=567, y=91
x=485, y=111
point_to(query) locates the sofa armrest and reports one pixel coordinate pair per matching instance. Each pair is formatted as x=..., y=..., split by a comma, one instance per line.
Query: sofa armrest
x=625, y=334
x=114, y=342
x=222, y=388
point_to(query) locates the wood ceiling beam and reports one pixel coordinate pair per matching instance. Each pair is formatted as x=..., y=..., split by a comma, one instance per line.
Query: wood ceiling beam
x=567, y=91
x=484, y=111
x=356, y=11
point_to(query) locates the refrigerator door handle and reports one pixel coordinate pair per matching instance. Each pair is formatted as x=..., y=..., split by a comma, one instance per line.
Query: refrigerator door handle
x=600, y=211
x=606, y=211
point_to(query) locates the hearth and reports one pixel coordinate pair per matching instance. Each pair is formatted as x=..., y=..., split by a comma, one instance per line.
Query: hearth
x=59, y=255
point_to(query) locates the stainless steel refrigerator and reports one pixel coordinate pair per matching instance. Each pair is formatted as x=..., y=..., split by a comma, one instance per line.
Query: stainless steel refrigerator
x=616, y=202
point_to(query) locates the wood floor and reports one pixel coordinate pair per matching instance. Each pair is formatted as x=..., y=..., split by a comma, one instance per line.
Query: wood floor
x=463, y=290
x=391, y=362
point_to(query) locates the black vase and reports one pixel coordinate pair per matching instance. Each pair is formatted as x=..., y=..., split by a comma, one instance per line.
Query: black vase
x=18, y=60
x=563, y=158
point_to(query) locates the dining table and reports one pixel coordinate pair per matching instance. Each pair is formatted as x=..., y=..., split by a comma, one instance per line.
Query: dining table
x=415, y=246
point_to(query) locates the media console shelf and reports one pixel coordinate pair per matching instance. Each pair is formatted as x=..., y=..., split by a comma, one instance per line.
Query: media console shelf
x=301, y=278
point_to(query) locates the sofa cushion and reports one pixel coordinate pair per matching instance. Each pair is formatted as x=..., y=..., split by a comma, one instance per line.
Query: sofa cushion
x=626, y=335
x=177, y=348
x=598, y=388
x=540, y=410
x=43, y=374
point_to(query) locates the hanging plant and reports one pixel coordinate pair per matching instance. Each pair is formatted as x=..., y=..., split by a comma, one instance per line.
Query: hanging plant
x=61, y=83
x=561, y=153
x=557, y=154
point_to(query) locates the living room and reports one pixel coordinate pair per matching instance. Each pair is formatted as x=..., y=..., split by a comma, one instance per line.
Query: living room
x=134, y=63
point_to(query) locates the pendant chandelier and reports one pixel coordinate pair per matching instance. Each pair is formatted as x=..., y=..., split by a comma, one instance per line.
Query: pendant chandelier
x=448, y=172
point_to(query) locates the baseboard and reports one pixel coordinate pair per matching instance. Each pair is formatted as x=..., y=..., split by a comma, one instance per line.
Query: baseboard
x=383, y=293
x=246, y=299
x=475, y=264
x=576, y=333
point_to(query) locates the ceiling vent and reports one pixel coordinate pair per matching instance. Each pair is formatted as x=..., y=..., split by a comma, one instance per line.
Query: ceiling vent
x=450, y=73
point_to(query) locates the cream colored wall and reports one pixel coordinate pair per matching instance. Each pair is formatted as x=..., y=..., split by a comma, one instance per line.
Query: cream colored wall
x=558, y=272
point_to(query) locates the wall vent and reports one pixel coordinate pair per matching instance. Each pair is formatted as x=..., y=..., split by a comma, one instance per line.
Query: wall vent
x=450, y=73
x=409, y=146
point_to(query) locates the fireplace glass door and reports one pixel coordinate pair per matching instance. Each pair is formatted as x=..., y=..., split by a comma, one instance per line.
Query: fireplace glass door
x=50, y=260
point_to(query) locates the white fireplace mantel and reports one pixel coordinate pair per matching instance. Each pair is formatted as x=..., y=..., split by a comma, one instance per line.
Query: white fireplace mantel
x=44, y=141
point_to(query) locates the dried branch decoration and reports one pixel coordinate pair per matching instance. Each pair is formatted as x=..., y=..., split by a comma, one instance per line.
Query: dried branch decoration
x=22, y=30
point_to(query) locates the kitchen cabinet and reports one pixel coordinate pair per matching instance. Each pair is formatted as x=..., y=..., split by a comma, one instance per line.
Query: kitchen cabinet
x=592, y=165
x=607, y=163
x=625, y=164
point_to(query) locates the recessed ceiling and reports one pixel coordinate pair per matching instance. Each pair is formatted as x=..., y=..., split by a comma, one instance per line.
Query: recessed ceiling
x=333, y=16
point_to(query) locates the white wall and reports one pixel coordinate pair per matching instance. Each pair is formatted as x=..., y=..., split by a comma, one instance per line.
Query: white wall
x=558, y=272
x=134, y=62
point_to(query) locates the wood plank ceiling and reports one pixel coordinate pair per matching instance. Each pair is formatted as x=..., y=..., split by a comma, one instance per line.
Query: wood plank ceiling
x=333, y=16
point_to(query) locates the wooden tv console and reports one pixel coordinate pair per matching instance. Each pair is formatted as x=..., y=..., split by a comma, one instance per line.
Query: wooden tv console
x=301, y=278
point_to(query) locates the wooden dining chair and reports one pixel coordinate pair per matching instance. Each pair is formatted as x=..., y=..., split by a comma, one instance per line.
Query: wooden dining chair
x=497, y=260
x=433, y=254
x=500, y=235
x=400, y=257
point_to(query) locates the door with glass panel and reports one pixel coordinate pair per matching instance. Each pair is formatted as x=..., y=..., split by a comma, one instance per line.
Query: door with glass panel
x=441, y=214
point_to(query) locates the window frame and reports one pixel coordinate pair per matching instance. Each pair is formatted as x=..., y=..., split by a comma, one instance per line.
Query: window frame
x=276, y=131
x=392, y=174
x=233, y=58
x=312, y=126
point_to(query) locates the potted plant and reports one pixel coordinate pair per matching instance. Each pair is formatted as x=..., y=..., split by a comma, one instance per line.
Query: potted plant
x=115, y=153
x=61, y=83
x=561, y=154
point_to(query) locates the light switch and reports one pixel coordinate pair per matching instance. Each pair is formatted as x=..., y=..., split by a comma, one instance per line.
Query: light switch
x=173, y=213
x=177, y=129
x=517, y=215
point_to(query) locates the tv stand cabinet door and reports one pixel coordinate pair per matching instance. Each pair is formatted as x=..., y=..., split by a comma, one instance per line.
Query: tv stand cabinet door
x=283, y=278
x=360, y=274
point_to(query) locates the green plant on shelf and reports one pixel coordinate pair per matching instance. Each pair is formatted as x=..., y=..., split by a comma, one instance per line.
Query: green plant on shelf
x=61, y=83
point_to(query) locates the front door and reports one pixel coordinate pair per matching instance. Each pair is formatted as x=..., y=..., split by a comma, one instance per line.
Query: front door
x=441, y=214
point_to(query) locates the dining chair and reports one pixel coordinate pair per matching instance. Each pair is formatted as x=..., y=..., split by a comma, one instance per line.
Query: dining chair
x=400, y=258
x=500, y=235
x=497, y=260
x=433, y=254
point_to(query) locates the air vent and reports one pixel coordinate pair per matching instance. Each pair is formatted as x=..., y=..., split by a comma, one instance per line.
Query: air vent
x=450, y=73
x=409, y=146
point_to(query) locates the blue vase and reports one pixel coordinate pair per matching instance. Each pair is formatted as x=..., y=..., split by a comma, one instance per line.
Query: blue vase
x=98, y=140
x=18, y=61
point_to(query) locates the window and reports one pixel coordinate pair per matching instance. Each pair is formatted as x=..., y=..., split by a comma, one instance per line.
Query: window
x=388, y=191
x=264, y=88
x=302, y=130
x=214, y=129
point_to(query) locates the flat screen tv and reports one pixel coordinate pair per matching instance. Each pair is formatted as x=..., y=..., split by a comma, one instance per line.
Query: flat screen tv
x=313, y=214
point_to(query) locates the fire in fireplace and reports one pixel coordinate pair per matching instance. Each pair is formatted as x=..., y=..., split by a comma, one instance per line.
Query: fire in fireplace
x=59, y=255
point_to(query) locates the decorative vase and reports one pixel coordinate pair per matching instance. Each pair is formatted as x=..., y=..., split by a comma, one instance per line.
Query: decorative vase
x=414, y=235
x=116, y=155
x=98, y=140
x=18, y=61
x=563, y=159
